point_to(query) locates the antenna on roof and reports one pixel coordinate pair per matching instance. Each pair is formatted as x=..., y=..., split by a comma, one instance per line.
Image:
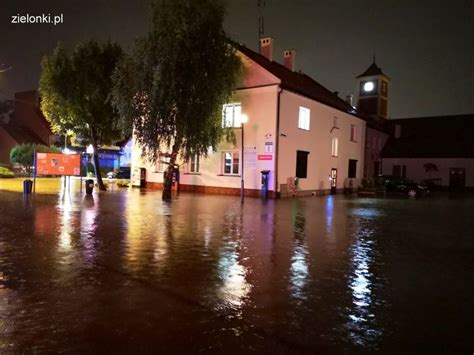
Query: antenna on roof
x=374, y=56
x=261, y=21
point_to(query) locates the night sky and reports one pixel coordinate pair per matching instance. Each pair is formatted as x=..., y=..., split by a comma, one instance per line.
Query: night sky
x=425, y=47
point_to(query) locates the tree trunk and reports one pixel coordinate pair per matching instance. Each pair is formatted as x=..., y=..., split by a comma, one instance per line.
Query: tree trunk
x=168, y=177
x=100, y=183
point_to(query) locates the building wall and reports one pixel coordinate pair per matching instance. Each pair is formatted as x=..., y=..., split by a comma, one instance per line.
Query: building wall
x=374, y=142
x=415, y=168
x=318, y=141
x=259, y=104
x=6, y=145
x=28, y=115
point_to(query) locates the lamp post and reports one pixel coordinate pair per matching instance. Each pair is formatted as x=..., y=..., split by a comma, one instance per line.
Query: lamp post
x=243, y=121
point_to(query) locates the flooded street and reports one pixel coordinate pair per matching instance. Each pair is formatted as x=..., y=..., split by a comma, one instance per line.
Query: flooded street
x=124, y=272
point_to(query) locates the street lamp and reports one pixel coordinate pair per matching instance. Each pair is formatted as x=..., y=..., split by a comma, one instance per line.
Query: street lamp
x=243, y=121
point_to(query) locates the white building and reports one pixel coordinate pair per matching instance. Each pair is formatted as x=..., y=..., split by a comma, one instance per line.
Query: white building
x=440, y=149
x=296, y=128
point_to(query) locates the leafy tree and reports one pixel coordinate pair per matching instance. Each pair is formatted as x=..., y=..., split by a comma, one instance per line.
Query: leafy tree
x=75, y=87
x=23, y=154
x=172, y=87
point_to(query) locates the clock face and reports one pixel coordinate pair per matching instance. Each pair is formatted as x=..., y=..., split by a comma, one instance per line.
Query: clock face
x=369, y=86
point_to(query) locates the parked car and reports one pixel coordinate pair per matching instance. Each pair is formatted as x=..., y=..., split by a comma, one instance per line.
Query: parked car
x=120, y=173
x=400, y=185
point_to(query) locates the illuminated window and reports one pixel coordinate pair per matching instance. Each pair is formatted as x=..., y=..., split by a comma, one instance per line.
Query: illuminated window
x=230, y=163
x=193, y=165
x=353, y=133
x=231, y=115
x=335, y=147
x=304, y=118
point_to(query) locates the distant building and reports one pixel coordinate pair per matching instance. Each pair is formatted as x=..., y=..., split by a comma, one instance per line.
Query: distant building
x=28, y=125
x=372, y=104
x=418, y=144
x=308, y=138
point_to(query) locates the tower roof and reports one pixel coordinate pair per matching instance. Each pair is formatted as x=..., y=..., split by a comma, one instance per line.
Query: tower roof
x=373, y=70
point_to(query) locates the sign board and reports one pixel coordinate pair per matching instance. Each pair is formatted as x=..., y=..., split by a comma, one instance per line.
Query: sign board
x=268, y=147
x=58, y=164
x=265, y=157
x=250, y=157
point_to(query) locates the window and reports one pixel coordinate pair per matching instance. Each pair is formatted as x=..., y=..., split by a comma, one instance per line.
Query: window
x=230, y=163
x=335, y=147
x=335, y=124
x=352, y=168
x=231, y=115
x=301, y=164
x=304, y=118
x=353, y=133
x=193, y=165
x=162, y=163
x=399, y=170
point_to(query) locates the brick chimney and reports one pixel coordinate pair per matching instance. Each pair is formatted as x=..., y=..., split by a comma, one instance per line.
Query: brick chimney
x=266, y=47
x=350, y=100
x=289, y=57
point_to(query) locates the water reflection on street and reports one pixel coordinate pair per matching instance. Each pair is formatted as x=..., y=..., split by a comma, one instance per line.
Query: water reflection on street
x=126, y=272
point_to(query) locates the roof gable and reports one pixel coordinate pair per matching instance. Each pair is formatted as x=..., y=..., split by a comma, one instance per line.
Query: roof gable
x=372, y=70
x=297, y=82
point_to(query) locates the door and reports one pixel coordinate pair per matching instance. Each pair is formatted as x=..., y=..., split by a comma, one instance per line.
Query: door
x=333, y=181
x=457, y=178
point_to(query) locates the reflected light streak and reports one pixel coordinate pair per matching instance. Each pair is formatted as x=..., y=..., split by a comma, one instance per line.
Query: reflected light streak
x=65, y=207
x=299, y=270
x=329, y=212
x=88, y=228
x=235, y=286
x=361, y=284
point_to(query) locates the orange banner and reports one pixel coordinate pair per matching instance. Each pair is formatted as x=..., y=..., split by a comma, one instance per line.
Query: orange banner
x=58, y=164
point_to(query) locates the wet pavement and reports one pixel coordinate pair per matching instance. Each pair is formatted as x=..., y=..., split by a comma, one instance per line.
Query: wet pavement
x=124, y=272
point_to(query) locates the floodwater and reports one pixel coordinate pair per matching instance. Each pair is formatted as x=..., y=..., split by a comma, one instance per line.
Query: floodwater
x=124, y=272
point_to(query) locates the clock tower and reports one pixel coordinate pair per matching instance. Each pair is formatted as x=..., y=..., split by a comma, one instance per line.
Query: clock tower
x=373, y=92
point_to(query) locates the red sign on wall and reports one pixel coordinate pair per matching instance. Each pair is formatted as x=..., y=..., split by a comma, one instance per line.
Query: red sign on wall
x=265, y=157
x=58, y=164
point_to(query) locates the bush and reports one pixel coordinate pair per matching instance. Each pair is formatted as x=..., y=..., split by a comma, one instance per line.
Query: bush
x=6, y=173
x=22, y=154
x=368, y=184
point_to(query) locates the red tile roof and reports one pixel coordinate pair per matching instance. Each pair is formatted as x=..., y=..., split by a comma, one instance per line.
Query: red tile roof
x=298, y=82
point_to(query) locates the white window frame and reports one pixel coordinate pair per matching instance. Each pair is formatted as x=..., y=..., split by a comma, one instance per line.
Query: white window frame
x=160, y=165
x=235, y=153
x=354, y=133
x=194, y=165
x=235, y=120
x=304, y=118
x=335, y=147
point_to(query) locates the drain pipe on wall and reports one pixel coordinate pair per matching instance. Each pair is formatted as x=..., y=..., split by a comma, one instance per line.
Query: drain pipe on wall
x=277, y=142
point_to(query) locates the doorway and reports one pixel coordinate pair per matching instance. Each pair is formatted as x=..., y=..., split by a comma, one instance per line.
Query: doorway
x=333, y=181
x=457, y=178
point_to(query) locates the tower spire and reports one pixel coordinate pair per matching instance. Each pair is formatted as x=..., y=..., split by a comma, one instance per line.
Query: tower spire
x=374, y=57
